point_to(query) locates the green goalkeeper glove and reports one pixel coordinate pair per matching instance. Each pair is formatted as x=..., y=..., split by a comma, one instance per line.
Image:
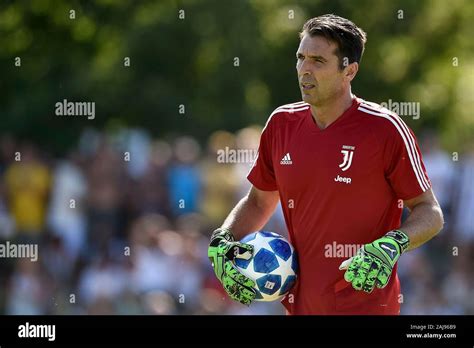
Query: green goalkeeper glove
x=374, y=262
x=223, y=249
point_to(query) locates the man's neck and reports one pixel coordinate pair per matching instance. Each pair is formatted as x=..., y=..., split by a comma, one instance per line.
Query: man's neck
x=326, y=114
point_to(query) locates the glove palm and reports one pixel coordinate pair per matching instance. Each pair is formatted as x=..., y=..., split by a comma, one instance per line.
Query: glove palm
x=374, y=262
x=222, y=251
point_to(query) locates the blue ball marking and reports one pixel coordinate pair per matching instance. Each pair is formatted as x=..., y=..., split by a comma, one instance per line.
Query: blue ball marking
x=281, y=248
x=265, y=261
x=294, y=263
x=242, y=263
x=269, y=284
x=249, y=237
x=258, y=295
x=289, y=282
x=269, y=234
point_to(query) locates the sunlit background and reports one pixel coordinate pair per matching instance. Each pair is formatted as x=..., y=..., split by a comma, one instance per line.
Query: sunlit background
x=174, y=83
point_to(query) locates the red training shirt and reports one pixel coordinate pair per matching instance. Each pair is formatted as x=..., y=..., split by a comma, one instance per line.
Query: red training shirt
x=339, y=188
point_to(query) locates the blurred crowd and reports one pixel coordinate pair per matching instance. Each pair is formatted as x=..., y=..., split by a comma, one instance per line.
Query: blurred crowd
x=123, y=223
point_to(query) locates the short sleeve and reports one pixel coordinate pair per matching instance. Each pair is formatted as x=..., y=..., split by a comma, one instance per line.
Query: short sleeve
x=262, y=175
x=404, y=168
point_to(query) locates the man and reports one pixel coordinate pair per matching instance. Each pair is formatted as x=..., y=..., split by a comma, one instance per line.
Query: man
x=342, y=168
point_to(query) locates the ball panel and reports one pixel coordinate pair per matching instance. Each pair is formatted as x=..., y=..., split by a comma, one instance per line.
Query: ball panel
x=281, y=248
x=269, y=284
x=289, y=282
x=265, y=261
x=294, y=263
x=242, y=263
x=258, y=295
x=249, y=237
x=270, y=234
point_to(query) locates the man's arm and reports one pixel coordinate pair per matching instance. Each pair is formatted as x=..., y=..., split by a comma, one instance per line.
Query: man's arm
x=374, y=262
x=424, y=221
x=252, y=212
x=249, y=215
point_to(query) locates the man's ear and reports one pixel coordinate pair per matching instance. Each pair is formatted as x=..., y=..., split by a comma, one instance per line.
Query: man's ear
x=350, y=71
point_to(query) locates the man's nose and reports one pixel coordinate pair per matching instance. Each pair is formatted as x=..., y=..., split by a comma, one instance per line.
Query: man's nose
x=303, y=68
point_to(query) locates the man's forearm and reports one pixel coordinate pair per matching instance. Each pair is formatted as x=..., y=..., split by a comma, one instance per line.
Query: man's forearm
x=247, y=217
x=423, y=223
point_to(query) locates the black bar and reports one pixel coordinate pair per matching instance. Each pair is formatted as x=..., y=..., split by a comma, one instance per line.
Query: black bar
x=148, y=331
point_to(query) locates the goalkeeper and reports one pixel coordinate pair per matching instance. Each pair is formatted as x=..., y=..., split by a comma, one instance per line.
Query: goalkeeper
x=342, y=169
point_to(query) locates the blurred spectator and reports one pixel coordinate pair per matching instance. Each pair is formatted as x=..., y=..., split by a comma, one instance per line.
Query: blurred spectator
x=159, y=303
x=183, y=176
x=28, y=289
x=7, y=225
x=153, y=267
x=440, y=168
x=57, y=259
x=137, y=144
x=150, y=193
x=102, y=280
x=66, y=216
x=219, y=180
x=106, y=181
x=27, y=183
x=464, y=208
x=458, y=285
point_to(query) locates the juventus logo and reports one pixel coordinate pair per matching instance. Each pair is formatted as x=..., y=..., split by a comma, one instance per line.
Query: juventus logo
x=348, y=152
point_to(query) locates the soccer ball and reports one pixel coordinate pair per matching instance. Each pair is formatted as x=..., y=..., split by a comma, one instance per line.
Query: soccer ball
x=273, y=267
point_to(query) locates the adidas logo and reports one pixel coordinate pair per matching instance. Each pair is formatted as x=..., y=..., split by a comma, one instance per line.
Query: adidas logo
x=286, y=159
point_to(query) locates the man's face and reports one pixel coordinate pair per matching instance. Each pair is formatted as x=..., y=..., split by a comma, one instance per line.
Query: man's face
x=319, y=76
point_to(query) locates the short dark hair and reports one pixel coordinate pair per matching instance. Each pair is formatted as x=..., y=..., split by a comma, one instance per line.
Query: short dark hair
x=350, y=39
